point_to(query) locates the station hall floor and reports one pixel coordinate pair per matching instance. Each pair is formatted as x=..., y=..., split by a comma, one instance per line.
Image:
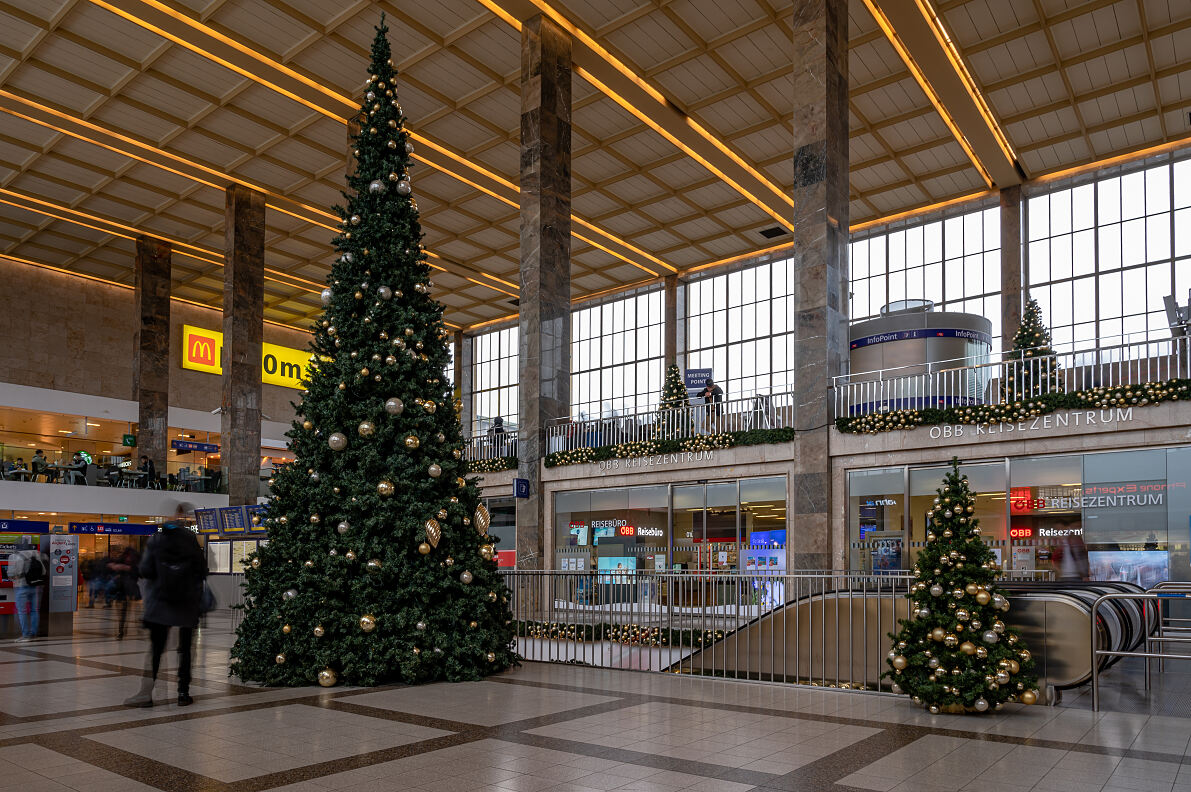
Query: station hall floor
x=537, y=727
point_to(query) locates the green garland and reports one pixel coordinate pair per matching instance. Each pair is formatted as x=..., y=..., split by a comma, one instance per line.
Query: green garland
x=1012, y=412
x=493, y=465
x=672, y=446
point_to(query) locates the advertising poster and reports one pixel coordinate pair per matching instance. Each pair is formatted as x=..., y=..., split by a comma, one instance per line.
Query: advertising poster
x=609, y=566
x=886, y=550
x=64, y=573
x=1023, y=558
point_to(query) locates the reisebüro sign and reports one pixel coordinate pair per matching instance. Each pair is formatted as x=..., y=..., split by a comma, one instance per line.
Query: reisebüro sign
x=1039, y=423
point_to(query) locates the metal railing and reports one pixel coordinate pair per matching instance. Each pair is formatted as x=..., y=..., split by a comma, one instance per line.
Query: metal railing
x=827, y=629
x=490, y=447
x=759, y=411
x=962, y=383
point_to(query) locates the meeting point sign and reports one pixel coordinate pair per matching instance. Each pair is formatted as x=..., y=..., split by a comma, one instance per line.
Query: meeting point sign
x=202, y=351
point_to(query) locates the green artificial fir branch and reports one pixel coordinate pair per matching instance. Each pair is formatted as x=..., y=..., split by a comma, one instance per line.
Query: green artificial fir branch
x=378, y=567
x=955, y=653
x=1038, y=372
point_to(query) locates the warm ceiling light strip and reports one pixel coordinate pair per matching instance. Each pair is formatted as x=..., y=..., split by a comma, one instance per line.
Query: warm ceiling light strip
x=155, y=150
x=741, y=257
x=178, y=246
x=631, y=247
x=690, y=152
x=106, y=281
x=1161, y=148
x=612, y=252
x=490, y=286
x=345, y=100
x=904, y=53
x=660, y=98
x=957, y=62
x=934, y=207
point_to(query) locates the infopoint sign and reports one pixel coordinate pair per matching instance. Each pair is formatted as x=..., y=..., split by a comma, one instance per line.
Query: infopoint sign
x=202, y=350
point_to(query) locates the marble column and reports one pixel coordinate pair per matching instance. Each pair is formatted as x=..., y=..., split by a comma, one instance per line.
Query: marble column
x=1011, y=274
x=671, y=321
x=243, y=324
x=545, y=392
x=820, y=275
x=151, y=367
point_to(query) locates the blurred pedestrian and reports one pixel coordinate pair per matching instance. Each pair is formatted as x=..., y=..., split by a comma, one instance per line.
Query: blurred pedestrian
x=175, y=569
x=123, y=586
x=27, y=571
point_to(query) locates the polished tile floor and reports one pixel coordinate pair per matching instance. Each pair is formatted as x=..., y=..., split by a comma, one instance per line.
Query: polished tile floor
x=537, y=727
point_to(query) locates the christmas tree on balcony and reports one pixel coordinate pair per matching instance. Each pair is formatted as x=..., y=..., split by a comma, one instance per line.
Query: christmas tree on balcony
x=672, y=420
x=1031, y=366
x=379, y=567
x=954, y=653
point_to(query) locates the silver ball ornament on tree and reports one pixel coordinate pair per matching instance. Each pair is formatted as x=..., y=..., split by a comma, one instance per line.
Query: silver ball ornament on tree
x=373, y=566
x=289, y=594
x=343, y=527
x=435, y=470
x=421, y=626
x=325, y=296
x=384, y=292
x=404, y=187
x=337, y=441
x=355, y=219
x=376, y=187
x=990, y=637
x=394, y=406
x=465, y=577
x=936, y=590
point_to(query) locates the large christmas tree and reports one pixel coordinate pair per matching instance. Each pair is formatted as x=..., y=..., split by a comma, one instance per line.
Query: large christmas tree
x=378, y=566
x=1037, y=373
x=954, y=653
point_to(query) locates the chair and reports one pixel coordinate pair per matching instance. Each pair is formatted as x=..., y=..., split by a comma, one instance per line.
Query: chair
x=216, y=480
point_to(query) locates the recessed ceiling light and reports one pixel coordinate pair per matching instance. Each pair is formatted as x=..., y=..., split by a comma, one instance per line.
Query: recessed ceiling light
x=92, y=424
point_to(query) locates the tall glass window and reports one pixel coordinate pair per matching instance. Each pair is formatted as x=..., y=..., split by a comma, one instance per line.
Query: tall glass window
x=737, y=325
x=616, y=356
x=494, y=379
x=953, y=261
x=1102, y=255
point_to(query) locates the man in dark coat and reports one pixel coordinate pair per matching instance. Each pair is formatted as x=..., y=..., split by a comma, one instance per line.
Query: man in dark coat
x=174, y=568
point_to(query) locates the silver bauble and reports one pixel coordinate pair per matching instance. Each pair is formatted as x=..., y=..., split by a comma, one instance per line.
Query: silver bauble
x=990, y=637
x=421, y=626
x=465, y=577
x=337, y=441
x=384, y=292
x=289, y=594
x=936, y=590
x=403, y=187
x=435, y=470
x=409, y=147
x=896, y=688
x=343, y=527
x=394, y=406
x=376, y=187
x=355, y=219
x=325, y=296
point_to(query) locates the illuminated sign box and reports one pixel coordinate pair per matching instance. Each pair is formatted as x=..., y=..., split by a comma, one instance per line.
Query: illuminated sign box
x=202, y=351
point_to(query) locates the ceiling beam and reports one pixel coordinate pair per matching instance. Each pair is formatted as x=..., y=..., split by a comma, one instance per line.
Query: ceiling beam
x=633, y=93
x=918, y=36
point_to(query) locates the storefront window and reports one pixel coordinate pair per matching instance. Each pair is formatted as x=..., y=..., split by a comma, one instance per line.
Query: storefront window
x=688, y=524
x=987, y=481
x=1046, y=528
x=504, y=527
x=876, y=514
x=1124, y=516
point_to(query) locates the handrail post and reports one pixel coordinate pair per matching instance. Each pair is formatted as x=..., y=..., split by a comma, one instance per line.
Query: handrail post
x=1095, y=657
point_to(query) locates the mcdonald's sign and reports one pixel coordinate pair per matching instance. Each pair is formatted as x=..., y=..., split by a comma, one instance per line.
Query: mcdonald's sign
x=202, y=351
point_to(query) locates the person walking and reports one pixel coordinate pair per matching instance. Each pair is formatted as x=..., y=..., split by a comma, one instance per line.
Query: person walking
x=27, y=571
x=123, y=569
x=174, y=568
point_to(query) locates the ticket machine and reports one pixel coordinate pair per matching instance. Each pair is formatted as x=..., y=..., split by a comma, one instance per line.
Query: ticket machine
x=59, y=595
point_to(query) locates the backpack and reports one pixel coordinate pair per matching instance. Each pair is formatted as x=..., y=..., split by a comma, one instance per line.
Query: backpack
x=35, y=571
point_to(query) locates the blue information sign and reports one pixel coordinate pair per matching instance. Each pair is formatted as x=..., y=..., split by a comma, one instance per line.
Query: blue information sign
x=188, y=445
x=125, y=529
x=256, y=510
x=696, y=378
x=24, y=526
x=231, y=520
x=520, y=488
x=208, y=521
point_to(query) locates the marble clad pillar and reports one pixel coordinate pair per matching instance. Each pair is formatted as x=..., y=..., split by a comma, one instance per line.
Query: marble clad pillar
x=820, y=276
x=545, y=323
x=467, y=347
x=671, y=320
x=243, y=325
x=151, y=368
x=1011, y=274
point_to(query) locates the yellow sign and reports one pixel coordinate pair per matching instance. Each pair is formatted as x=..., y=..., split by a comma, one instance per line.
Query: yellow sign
x=202, y=351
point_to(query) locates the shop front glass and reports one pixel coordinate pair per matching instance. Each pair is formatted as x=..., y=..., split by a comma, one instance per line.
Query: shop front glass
x=696, y=527
x=1120, y=516
x=876, y=514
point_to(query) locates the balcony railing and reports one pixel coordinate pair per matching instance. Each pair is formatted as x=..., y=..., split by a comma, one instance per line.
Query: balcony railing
x=760, y=411
x=962, y=383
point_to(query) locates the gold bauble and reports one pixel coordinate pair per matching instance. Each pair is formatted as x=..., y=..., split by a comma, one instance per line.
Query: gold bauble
x=433, y=531
x=286, y=629
x=349, y=555
x=256, y=563
x=1013, y=667
x=968, y=648
x=367, y=622
x=319, y=632
x=473, y=624
x=424, y=548
x=486, y=552
x=307, y=425
x=491, y=657
x=938, y=634
x=983, y=597
x=385, y=488
x=899, y=662
x=327, y=677
x=483, y=519
x=279, y=659
x=971, y=589
x=1029, y=697
x=412, y=442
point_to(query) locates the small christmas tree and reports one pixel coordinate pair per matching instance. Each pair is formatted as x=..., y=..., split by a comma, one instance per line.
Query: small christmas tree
x=674, y=400
x=954, y=653
x=379, y=567
x=1038, y=373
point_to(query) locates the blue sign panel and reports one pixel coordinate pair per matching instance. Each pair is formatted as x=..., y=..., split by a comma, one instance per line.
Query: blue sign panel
x=188, y=445
x=258, y=511
x=208, y=521
x=920, y=332
x=696, y=378
x=24, y=526
x=124, y=529
x=231, y=519
x=520, y=488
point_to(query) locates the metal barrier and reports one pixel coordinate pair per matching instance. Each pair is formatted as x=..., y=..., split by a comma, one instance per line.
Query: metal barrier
x=1169, y=591
x=825, y=629
x=496, y=446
